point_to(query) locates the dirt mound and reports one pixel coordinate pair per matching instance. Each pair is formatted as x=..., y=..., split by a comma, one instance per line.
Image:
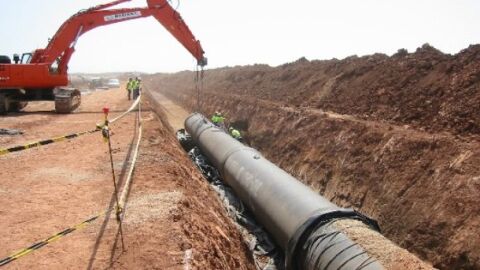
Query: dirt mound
x=427, y=89
x=396, y=137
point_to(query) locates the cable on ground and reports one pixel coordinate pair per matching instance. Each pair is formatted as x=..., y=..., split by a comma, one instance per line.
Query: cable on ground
x=126, y=188
x=134, y=104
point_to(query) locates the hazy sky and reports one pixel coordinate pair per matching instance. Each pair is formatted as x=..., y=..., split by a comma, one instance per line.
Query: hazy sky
x=246, y=32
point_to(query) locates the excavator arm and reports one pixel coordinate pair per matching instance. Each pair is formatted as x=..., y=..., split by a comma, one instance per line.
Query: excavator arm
x=62, y=45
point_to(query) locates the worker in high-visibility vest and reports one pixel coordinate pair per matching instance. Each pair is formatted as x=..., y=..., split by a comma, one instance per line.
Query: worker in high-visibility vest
x=215, y=118
x=136, y=87
x=218, y=120
x=129, y=88
x=235, y=134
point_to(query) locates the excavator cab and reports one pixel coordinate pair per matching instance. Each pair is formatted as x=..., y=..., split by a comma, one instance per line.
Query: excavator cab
x=26, y=58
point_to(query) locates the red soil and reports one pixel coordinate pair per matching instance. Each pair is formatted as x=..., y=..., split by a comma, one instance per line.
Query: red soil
x=173, y=219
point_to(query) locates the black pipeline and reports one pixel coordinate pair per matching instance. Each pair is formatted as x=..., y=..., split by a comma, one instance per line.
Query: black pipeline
x=299, y=219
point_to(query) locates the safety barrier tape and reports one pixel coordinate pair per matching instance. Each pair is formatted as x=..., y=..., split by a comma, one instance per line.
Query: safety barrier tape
x=17, y=148
x=83, y=224
x=45, y=142
x=49, y=240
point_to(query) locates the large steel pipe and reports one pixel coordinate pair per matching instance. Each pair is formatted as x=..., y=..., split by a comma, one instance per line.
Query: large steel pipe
x=298, y=219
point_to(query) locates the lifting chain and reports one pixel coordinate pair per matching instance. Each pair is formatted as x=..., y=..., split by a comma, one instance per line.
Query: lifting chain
x=198, y=87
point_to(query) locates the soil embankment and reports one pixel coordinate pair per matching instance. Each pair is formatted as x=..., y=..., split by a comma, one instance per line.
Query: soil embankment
x=172, y=218
x=396, y=137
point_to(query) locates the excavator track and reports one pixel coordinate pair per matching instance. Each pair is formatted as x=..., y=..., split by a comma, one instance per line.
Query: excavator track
x=67, y=100
x=9, y=104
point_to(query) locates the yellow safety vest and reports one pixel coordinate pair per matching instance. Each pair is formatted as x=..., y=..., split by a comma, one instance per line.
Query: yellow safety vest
x=235, y=134
x=130, y=85
x=135, y=84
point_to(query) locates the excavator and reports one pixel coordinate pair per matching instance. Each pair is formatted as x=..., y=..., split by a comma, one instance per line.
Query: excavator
x=42, y=75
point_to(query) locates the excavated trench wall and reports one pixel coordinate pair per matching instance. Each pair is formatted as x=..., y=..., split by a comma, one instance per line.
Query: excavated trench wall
x=395, y=137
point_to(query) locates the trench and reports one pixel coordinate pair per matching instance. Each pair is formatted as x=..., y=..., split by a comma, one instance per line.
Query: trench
x=266, y=250
x=415, y=173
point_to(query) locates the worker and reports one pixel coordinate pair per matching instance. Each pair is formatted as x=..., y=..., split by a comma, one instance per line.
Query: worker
x=235, y=134
x=129, y=88
x=215, y=119
x=136, y=88
x=218, y=120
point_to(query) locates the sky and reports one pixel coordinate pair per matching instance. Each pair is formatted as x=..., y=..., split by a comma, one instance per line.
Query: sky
x=246, y=32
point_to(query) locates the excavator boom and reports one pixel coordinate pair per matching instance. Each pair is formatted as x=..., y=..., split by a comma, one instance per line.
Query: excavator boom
x=63, y=42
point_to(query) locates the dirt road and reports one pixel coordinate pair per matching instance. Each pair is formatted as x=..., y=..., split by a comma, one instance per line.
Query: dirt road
x=48, y=189
x=175, y=113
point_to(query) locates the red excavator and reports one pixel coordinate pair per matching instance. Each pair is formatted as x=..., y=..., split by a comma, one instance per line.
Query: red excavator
x=42, y=75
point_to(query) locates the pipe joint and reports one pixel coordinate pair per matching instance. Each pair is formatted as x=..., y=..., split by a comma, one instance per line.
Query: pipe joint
x=299, y=240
